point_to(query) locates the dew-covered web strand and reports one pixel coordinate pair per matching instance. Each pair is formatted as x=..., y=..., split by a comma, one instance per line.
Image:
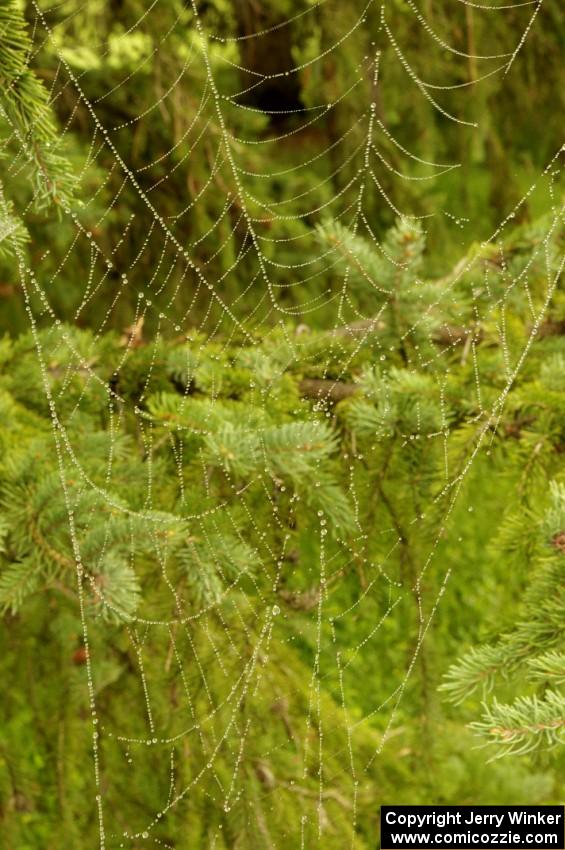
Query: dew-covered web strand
x=259, y=613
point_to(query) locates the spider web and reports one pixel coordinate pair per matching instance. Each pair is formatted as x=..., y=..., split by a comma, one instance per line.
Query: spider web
x=219, y=660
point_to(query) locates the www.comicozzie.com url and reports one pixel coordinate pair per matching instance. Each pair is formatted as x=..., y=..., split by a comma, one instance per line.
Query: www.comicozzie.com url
x=472, y=827
x=481, y=839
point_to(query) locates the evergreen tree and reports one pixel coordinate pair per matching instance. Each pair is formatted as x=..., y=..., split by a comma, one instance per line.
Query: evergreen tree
x=238, y=557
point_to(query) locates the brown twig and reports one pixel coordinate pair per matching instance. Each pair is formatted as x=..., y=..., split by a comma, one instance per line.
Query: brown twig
x=327, y=389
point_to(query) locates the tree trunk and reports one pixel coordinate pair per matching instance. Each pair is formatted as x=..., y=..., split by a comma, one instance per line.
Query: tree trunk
x=268, y=54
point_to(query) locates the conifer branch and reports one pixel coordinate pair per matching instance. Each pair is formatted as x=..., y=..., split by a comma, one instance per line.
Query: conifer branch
x=24, y=103
x=525, y=725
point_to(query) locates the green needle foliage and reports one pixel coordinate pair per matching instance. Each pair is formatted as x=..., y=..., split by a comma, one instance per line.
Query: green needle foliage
x=26, y=115
x=532, y=652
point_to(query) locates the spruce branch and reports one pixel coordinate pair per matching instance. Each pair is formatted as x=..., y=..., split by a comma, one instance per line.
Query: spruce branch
x=527, y=724
x=549, y=667
x=24, y=103
x=13, y=234
x=17, y=582
x=477, y=669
